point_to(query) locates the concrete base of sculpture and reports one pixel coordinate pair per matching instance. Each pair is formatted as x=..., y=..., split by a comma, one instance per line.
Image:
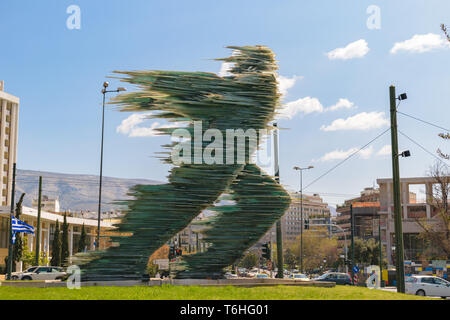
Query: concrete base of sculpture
x=240, y=282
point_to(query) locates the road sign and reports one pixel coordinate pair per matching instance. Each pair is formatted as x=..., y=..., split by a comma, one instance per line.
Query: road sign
x=355, y=269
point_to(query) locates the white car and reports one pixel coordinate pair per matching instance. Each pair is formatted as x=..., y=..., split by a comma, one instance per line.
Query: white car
x=427, y=286
x=40, y=273
x=299, y=276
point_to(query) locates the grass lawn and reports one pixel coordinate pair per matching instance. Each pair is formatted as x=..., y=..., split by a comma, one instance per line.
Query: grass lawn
x=168, y=292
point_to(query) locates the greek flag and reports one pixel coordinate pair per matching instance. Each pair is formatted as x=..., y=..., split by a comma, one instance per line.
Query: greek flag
x=20, y=226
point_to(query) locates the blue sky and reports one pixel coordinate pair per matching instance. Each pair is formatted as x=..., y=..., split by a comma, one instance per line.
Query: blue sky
x=58, y=73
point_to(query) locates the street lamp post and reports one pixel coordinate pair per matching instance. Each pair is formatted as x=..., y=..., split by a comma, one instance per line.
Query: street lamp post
x=104, y=91
x=301, y=213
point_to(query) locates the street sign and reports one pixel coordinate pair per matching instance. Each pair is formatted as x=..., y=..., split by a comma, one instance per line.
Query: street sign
x=355, y=269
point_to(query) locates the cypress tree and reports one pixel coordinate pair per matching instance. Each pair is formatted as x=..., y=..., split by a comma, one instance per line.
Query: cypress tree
x=82, y=242
x=18, y=245
x=65, y=241
x=56, y=250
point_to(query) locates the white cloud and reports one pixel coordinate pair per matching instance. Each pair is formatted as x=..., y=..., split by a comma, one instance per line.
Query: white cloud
x=361, y=121
x=129, y=126
x=342, y=154
x=357, y=49
x=420, y=43
x=341, y=104
x=285, y=83
x=309, y=105
x=305, y=105
x=385, y=150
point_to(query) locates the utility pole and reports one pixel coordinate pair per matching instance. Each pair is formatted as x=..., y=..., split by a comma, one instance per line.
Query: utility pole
x=10, y=246
x=352, y=235
x=280, y=262
x=38, y=229
x=400, y=271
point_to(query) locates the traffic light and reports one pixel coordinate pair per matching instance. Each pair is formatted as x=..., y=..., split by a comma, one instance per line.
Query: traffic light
x=171, y=252
x=266, y=251
x=179, y=252
x=306, y=224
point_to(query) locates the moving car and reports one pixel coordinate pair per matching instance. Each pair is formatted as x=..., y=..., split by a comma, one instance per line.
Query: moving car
x=427, y=286
x=299, y=276
x=40, y=273
x=338, y=277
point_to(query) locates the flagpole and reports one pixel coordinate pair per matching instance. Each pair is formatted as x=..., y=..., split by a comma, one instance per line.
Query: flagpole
x=10, y=247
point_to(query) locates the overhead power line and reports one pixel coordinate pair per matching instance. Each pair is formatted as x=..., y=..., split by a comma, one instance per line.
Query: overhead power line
x=351, y=155
x=429, y=123
x=423, y=148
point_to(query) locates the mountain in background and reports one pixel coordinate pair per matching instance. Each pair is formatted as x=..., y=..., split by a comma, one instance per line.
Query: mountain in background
x=75, y=192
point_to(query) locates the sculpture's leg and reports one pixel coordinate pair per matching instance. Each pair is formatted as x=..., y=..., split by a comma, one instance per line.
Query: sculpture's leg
x=155, y=215
x=260, y=202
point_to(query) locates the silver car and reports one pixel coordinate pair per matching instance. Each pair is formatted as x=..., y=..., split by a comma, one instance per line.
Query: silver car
x=427, y=286
x=40, y=273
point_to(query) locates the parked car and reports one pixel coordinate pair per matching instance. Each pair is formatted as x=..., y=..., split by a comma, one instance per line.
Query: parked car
x=40, y=273
x=299, y=276
x=230, y=275
x=338, y=277
x=427, y=286
x=262, y=275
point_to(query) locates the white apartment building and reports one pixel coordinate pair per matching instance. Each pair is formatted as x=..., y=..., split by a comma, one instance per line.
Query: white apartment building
x=9, y=120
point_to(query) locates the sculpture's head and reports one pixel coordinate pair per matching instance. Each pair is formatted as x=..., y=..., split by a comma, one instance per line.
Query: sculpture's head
x=250, y=59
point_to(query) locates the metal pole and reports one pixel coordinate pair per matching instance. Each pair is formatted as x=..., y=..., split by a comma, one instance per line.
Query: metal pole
x=400, y=272
x=280, y=262
x=97, y=247
x=352, y=229
x=10, y=246
x=38, y=229
x=301, y=220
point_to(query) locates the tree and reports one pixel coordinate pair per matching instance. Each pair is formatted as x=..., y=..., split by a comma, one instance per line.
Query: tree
x=437, y=233
x=28, y=257
x=367, y=252
x=18, y=244
x=249, y=261
x=317, y=246
x=64, y=241
x=82, y=242
x=56, y=247
x=290, y=259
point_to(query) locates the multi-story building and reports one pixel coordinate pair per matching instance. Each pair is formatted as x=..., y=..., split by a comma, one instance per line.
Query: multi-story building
x=314, y=210
x=9, y=119
x=47, y=204
x=413, y=208
x=365, y=210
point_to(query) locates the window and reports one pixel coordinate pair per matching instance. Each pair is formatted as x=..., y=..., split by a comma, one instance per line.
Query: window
x=440, y=281
x=428, y=280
